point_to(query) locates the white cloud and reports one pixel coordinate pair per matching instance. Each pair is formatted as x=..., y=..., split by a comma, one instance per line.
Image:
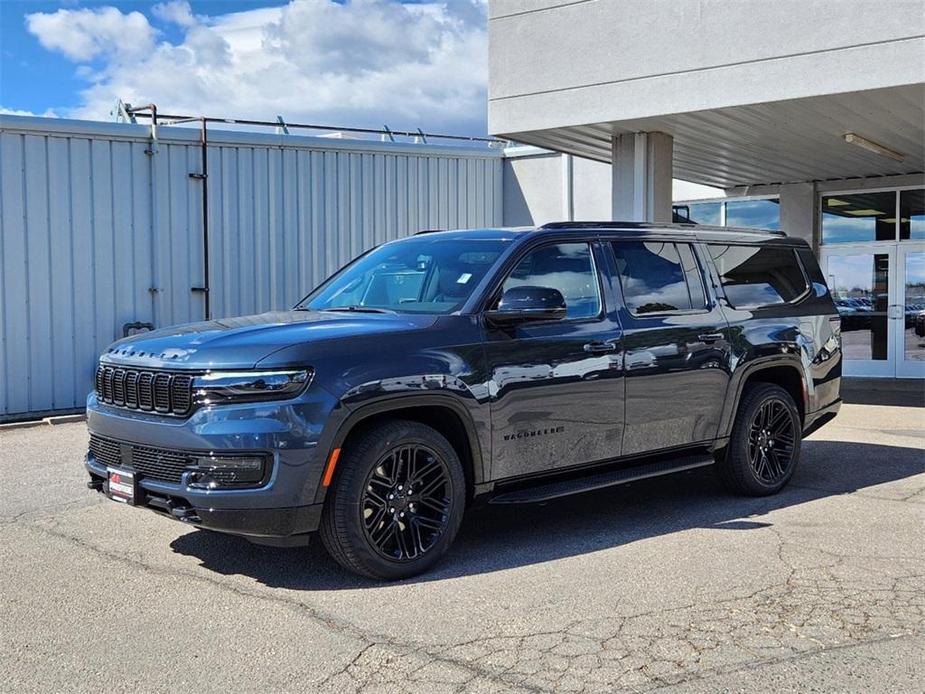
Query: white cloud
x=364, y=62
x=49, y=113
x=86, y=34
x=176, y=11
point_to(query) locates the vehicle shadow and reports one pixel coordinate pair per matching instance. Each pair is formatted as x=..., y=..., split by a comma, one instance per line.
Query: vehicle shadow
x=495, y=538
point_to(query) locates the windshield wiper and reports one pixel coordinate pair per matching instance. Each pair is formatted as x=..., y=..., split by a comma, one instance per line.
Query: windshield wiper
x=359, y=309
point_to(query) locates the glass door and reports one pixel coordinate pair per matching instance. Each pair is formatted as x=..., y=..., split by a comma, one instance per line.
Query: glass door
x=908, y=310
x=859, y=277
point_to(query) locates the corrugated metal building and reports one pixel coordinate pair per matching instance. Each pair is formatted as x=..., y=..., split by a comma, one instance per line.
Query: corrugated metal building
x=100, y=226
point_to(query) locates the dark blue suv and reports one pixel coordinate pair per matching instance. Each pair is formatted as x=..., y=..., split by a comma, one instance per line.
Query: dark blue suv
x=511, y=366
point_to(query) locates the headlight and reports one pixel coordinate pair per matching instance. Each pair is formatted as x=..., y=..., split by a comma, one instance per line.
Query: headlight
x=217, y=387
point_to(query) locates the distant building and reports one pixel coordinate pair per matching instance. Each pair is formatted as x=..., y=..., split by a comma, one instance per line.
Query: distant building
x=808, y=115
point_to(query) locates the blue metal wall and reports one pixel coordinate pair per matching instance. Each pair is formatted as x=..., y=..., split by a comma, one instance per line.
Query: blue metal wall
x=96, y=232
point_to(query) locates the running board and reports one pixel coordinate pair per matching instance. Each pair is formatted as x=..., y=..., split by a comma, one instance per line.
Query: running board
x=554, y=490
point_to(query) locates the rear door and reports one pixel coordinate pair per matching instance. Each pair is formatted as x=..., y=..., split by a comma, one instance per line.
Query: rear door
x=676, y=346
x=556, y=387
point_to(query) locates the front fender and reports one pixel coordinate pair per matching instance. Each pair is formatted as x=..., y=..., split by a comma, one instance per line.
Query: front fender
x=474, y=417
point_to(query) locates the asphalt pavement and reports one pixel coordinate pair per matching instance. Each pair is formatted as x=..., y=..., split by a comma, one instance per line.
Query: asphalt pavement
x=666, y=585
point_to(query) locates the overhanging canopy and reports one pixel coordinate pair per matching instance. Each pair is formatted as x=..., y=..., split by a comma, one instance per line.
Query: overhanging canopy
x=774, y=142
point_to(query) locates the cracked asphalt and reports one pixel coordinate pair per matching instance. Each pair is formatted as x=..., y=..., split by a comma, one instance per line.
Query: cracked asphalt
x=667, y=584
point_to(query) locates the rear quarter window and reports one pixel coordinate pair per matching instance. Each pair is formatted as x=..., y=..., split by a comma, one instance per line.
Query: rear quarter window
x=757, y=276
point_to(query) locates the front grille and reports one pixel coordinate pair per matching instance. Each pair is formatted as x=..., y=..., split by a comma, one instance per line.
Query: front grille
x=154, y=463
x=159, y=463
x=164, y=392
x=145, y=392
x=105, y=451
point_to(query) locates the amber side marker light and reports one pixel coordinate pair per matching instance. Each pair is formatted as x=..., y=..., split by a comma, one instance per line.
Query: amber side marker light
x=329, y=470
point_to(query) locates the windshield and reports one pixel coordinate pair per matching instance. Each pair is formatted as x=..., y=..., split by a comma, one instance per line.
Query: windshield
x=420, y=274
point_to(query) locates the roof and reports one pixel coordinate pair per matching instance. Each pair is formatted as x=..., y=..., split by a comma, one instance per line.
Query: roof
x=187, y=134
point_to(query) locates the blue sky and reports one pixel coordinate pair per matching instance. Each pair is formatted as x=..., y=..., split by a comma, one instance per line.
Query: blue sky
x=356, y=62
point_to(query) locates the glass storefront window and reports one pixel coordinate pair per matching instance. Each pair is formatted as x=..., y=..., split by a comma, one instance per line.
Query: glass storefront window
x=859, y=217
x=699, y=213
x=912, y=214
x=754, y=214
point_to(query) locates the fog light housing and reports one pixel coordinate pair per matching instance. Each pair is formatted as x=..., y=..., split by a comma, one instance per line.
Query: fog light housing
x=213, y=472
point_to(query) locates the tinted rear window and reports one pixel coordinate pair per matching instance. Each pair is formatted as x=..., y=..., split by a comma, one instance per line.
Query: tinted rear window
x=755, y=276
x=659, y=276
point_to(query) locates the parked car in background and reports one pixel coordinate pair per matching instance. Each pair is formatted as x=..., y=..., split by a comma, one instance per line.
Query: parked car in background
x=498, y=365
x=919, y=323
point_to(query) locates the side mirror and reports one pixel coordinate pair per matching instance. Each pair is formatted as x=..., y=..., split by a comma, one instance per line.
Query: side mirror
x=526, y=303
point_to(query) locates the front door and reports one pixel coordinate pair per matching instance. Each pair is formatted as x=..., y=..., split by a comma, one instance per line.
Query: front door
x=556, y=387
x=861, y=279
x=879, y=291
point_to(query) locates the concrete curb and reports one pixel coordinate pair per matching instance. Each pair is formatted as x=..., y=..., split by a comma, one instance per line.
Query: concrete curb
x=45, y=421
x=65, y=419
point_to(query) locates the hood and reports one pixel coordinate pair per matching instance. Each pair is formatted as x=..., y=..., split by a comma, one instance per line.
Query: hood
x=239, y=343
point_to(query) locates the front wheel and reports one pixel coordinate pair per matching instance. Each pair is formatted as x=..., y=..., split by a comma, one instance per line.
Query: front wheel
x=396, y=502
x=764, y=447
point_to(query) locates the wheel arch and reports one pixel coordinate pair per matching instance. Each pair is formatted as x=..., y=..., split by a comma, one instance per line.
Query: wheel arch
x=443, y=413
x=786, y=373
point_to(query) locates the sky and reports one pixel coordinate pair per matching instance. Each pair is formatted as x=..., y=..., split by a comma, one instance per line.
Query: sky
x=348, y=62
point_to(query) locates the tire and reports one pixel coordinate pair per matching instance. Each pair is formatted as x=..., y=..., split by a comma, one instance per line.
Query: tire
x=417, y=529
x=764, y=448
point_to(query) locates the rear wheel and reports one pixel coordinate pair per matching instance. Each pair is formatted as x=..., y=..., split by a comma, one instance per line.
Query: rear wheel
x=764, y=448
x=396, y=503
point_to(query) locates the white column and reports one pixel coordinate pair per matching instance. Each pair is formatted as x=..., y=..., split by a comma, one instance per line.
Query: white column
x=799, y=213
x=642, y=177
x=568, y=187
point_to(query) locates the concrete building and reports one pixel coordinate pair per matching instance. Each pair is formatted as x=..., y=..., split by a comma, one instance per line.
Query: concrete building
x=808, y=115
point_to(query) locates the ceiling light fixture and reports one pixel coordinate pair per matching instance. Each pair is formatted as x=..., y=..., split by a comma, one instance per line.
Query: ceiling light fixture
x=871, y=146
x=865, y=213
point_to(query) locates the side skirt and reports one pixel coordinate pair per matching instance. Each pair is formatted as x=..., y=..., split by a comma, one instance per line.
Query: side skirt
x=599, y=480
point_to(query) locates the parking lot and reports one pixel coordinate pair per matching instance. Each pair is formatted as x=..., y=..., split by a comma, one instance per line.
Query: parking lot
x=667, y=584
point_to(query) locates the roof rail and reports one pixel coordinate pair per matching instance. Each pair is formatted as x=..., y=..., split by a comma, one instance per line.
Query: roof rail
x=690, y=226
x=427, y=231
x=598, y=225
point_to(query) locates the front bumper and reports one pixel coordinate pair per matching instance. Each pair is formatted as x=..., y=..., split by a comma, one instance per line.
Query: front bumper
x=256, y=524
x=284, y=506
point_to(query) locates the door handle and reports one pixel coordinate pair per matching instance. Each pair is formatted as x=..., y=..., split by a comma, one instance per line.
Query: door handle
x=597, y=347
x=710, y=337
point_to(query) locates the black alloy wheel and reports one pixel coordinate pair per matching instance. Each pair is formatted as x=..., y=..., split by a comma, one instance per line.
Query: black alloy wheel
x=396, y=501
x=764, y=448
x=770, y=440
x=406, y=504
